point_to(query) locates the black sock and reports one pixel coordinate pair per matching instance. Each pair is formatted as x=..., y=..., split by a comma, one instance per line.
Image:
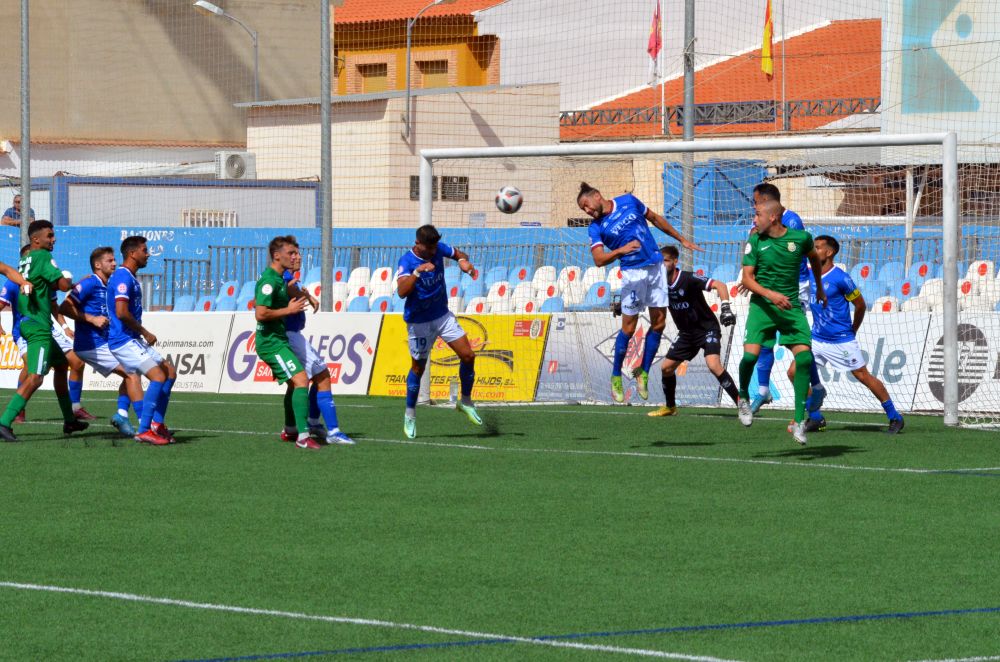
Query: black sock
x=670, y=389
x=728, y=386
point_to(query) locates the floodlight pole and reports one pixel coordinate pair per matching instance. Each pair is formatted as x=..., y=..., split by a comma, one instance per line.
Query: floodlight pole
x=206, y=7
x=410, y=22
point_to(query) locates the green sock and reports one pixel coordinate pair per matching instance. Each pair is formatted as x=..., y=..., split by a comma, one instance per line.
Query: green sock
x=747, y=364
x=13, y=409
x=289, y=410
x=300, y=403
x=66, y=407
x=803, y=361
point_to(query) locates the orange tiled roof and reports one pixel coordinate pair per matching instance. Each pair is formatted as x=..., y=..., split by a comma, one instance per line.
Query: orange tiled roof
x=840, y=60
x=364, y=11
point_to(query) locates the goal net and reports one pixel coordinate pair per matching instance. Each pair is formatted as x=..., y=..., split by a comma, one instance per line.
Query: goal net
x=540, y=307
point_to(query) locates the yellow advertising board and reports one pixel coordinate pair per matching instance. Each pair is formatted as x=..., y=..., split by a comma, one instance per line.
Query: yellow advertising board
x=509, y=351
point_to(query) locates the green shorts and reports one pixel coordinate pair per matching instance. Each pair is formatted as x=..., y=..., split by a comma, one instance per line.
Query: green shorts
x=43, y=353
x=765, y=321
x=284, y=365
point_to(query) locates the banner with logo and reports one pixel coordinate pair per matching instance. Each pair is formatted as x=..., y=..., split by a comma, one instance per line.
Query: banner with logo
x=978, y=365
x=579, y=355
x=508, y=350
x=345, y=341
x=10, y=358
x=891, y=344
x=194, y=342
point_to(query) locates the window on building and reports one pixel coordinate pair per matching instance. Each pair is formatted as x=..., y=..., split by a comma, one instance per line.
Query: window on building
x=434, y=73
x=415, y=187
x=374, y=77
x=455, y=189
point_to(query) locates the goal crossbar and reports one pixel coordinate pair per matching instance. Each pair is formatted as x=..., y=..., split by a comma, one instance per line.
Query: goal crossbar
x=949, y=161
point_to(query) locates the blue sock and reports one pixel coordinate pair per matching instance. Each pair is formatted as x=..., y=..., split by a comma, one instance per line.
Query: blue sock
x=467, y=376
x=650, y=348
x=890, y=410
x=314, y=406
x=123, y=403
x=137, y=406
x=815, y=415
x=324, y=403
x=149, y=405
x=621, y=347
x=412, y=389
x=765, y=361
x=75, y=390
x=162, y=401
x=814, y=379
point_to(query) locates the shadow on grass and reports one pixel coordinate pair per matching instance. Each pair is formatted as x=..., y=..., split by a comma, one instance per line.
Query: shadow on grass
x=675, y=444
x=872, y=427
x=813, y=452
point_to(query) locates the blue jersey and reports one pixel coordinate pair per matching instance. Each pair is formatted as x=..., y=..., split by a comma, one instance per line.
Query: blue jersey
x=91, y=298
x=8, y=295
x=626, y=222
x=428, y=300
x=296, y=322
x=123, y=286
x=832, y=324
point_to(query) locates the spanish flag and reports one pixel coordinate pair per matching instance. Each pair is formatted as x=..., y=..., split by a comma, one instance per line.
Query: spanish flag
x=767, y=47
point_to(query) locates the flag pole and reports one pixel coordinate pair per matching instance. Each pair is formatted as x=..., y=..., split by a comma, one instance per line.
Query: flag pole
x=786, y=121
x=660, y=78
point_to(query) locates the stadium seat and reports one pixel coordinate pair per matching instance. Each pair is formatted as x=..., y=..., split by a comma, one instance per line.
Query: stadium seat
x=593, y=275
x=981, y=271
x=315, y=289
x=960, y=270
x=226, y=304
x=885, y=305
x=184, y=304
x=550, y=290
x=247, y=290
x=339, y=291
x=872, y=291
x=362, y=276
x=493, y=275
x=523, y=293
x=932, y=287
x=520, y=274
x=976, y=304
x=382, y=282
x=700, y=270
x=477, y=305
x=543, y=276
x=358, y=304
x=230, y=288
x=340, y=275
x=499, y=297
x=733, y=287
x=904, y=290
x=570, y=275
x=246, y=303
x=360, y=290
x=573, y=295
x=863, y=272
x=520, y=306
x=598, y=297
x=920, y=271
x=967, y=288
x=472, y=288
x=914, y=305
x=312, y=275
x=381, y=304
x=452, y=275
x=891, y=272
x=990, y=290
x=725, y=272
x=455, y=304
x=454, y=289
x=615, y=278
x=205, y=303
x=552, y=305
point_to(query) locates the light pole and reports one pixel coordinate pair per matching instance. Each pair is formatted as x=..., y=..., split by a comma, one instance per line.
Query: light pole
x=409, y=38
x=207, y=8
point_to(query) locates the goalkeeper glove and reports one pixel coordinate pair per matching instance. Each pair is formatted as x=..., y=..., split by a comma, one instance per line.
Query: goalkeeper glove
x=726, y=315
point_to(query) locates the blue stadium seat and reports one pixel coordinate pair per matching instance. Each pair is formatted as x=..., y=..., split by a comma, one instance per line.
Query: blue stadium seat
x=863, y=272
x=725, y=272
x=452, y=276
x=493, y=275
x=920, y=271
x=552, y=305
x=891, y=272
x=397, y=303
x=471, y=288
x=225, y=304
x=340, y=274
x=520, y=274
x=229, y=288
x=205, y=303
x=381, y=305
x=247, y=290
x=962, y=267
x=312, y=275
x=597, y=297
x=871, y=290
x=184, y=304
x=246, y=304
x=358, y=305
x=700, y=270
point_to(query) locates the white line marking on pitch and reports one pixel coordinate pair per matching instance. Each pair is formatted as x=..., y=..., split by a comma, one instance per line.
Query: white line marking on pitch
x=131, y=597
x=967, y=659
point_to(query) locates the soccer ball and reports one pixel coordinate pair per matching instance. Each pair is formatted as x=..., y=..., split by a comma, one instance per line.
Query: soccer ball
x=509, y=199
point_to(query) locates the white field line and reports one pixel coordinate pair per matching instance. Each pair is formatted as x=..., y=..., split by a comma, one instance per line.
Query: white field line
x=625, y=454
x=967, y=659
x=131, y=597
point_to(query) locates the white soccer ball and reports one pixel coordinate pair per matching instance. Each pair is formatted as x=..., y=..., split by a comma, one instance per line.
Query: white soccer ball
x=509, y=199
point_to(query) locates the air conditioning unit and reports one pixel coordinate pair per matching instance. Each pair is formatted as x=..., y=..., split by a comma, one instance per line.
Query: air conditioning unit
x=235, y=165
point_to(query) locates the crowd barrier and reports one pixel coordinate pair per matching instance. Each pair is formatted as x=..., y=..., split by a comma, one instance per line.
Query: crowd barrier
x=555, y=357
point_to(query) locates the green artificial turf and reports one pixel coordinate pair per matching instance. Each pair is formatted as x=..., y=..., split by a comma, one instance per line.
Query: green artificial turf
x=597, y=526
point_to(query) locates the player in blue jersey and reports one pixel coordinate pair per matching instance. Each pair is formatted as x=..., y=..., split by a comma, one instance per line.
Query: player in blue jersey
x=765, y=362
x=132, y=344
x=620, y=231
x=834, y=334
x=320, y=394
x=87, y=304
x=420, y=281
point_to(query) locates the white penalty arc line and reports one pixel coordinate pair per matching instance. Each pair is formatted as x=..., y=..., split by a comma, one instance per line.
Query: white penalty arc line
x=132, y=597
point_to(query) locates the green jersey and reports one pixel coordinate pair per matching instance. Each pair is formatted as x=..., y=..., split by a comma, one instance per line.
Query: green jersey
x=778, y=262
x=271, y=291
x=39, y=269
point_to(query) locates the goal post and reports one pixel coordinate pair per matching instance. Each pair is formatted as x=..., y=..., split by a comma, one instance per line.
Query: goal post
x=947, y=142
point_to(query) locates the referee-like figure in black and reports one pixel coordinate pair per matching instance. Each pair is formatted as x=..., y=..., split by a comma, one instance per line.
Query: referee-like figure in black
x=697, y=327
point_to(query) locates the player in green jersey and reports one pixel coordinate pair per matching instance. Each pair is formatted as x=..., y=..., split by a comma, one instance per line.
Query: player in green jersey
x=771, y=262
x=35, y=307
x=273, y=305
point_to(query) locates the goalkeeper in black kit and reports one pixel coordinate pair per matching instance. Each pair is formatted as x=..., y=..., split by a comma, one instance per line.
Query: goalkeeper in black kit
x=697, y=328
